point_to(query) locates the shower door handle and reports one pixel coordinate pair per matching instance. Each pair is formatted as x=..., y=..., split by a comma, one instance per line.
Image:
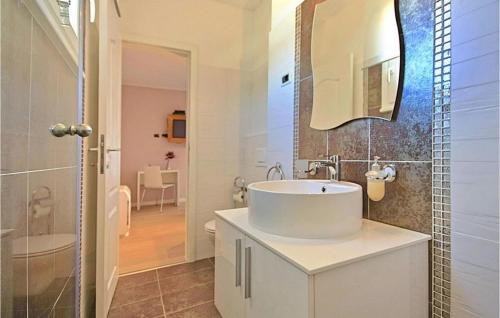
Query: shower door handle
x=61, y=130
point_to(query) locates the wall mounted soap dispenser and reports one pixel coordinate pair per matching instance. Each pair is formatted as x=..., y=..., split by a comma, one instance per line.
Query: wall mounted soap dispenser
x=376, y=179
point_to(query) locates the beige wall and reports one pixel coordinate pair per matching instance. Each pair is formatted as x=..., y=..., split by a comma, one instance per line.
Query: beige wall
x=253, y=115
x=280, y=110
x=218, y=32
x=474, y=163
x=233, y=89
x=144, y=113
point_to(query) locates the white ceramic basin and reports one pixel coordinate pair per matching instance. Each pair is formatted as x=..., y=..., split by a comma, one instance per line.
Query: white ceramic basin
x=306, y=208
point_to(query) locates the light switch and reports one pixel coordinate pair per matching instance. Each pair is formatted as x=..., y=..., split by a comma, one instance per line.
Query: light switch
x=285, y=79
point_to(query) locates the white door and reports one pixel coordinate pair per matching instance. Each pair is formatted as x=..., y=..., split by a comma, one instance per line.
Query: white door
x=229, y=245
x=109, y=156
x=273, y=287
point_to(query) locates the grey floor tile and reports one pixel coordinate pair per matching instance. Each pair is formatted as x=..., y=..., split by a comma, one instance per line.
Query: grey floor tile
x=183, y=268
x=206, y=310
x=187, y=280
x=149, y=308
x=188, y=298
x=129, y=295
x=135, y=280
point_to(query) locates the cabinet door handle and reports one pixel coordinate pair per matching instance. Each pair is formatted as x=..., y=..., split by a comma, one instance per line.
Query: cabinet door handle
x=248, y=272
x=238, y=263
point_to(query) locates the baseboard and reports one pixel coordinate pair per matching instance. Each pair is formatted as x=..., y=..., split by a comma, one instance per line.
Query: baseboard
x=157, y=202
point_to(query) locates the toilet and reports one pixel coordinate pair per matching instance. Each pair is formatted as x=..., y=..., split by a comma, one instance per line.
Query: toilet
x=48, y=257
x=239, y=200
x=210, y=229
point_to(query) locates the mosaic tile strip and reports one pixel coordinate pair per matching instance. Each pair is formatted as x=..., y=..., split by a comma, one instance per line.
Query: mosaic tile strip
x=298, y=21
x=441, y=205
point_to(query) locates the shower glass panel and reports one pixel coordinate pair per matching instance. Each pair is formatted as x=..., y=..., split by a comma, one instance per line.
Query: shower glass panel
x=40, y=173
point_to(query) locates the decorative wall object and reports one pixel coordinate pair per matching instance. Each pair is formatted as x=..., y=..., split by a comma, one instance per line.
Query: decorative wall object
x=357, y=73
x=441, y=205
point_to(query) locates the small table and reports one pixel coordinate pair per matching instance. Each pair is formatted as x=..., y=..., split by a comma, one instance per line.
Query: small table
x=168, y=176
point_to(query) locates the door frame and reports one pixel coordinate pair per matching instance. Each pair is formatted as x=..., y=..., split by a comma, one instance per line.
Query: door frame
x=109, y=99
x=191, y=140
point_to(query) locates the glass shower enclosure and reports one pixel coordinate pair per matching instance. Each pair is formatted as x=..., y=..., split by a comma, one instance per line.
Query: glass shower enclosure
x=40, y=173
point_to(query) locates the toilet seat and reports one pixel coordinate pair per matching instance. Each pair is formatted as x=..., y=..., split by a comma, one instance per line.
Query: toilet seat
x=40, y=245
x=210, y=226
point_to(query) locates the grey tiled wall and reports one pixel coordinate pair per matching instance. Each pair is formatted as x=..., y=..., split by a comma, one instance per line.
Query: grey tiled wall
x=406, y=142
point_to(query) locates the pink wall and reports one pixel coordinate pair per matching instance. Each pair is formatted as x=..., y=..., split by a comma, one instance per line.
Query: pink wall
x=144, y=113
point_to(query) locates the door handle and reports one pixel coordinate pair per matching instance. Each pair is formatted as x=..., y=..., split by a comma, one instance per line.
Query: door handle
x=112, y=150
x=101, y=155
x=248, y=272
x=238, y=263
x=61, y=130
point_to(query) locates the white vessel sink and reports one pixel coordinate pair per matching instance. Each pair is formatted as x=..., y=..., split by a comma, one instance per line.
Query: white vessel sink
x=306, y=208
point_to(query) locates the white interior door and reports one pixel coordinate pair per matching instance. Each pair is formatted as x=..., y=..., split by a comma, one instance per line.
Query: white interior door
x=109, y=156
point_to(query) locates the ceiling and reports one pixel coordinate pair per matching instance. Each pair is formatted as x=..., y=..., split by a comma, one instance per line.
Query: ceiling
x=154, y=67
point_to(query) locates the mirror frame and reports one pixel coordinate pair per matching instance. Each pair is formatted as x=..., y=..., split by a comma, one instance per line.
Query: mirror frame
x=402, y=58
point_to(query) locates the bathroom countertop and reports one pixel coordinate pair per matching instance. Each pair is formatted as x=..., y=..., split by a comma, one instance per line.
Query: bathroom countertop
x=317, y=255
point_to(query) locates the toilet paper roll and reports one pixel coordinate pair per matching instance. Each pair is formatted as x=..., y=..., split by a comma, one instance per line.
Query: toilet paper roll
x=238, y=197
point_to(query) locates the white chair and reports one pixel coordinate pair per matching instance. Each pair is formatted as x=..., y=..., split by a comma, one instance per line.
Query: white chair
x=153, y=180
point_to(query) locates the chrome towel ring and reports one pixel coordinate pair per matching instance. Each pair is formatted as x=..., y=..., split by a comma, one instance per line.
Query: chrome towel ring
x=276, y=169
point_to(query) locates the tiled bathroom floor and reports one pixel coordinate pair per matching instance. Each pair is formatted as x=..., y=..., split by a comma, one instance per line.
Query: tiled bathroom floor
x=180, y=291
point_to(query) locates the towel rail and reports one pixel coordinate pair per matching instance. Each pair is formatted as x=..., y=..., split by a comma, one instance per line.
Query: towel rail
x=277, y=168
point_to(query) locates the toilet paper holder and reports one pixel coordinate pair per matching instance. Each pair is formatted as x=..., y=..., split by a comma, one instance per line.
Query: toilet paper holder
x=239, y=192
x=41, y=205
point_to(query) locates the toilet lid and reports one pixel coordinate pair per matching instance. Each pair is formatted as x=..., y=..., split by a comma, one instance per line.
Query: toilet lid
x=210, y=226
x=41, y=244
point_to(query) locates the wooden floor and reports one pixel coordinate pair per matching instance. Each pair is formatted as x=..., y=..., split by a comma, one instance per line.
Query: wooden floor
x=156, y=239
x=180, y=291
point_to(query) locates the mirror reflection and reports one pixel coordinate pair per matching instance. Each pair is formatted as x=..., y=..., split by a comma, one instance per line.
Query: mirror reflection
x=356, y=61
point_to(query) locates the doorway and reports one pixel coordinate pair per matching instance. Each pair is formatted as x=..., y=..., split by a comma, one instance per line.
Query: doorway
x=153, y=142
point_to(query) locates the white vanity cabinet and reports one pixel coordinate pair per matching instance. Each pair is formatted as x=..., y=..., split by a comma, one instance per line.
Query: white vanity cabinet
x=264, y=286
x=229, y=275
x=383, y=272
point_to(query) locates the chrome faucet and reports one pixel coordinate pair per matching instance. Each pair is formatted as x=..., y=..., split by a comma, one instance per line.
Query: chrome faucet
x=332, y=164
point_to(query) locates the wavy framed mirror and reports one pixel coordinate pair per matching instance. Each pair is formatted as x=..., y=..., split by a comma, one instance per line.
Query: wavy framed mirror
x=357, y=57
